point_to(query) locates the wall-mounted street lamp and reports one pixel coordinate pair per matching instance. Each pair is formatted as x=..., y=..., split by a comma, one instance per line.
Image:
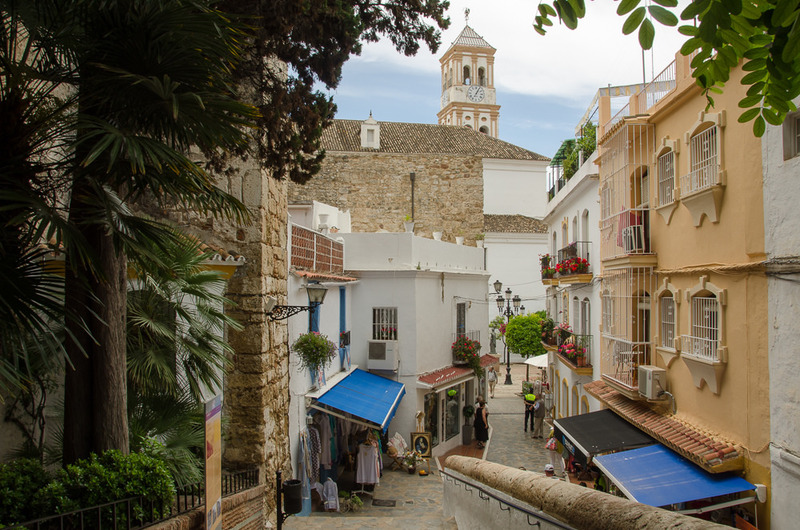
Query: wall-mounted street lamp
x=504, y=306
x=316, y=295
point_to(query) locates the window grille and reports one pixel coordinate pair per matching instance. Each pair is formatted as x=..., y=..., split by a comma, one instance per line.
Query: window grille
x=586, y=323
x=384, y=323
x=791, y=136
x=703, y=161
x=666, y=178
x=705, y=326
x=667, y=321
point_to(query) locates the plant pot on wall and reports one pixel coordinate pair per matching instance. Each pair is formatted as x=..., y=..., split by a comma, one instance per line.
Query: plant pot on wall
x=479, y=243
x=409, y=226
x=459, y=240
x=437, y=236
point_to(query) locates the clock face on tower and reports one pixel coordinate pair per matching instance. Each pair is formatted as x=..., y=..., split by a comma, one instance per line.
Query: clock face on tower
x=476, y=93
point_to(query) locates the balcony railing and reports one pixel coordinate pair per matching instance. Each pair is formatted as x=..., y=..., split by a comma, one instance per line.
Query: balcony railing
x=574, y=347
x=621, y=361
x=571, y=259
x=660, y=86
x=627, y=233
x=471, y=335
x=707, y=349
x=700, y=178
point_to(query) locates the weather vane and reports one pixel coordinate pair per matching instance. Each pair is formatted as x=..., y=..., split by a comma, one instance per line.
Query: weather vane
x=466, y=15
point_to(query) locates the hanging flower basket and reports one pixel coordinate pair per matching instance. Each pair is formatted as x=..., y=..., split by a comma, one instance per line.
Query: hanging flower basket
x=467, y=351
x=314, y=350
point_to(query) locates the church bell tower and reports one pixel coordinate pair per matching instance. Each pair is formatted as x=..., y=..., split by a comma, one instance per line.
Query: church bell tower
x=468, y=94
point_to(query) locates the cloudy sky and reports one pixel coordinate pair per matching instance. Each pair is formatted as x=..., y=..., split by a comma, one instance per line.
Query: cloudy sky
x=544, y=84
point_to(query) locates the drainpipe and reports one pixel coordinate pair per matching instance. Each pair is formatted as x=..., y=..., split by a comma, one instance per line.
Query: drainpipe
x=413, y=177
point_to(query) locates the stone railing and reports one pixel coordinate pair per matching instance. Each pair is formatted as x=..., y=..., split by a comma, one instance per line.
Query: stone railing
x=483, y=494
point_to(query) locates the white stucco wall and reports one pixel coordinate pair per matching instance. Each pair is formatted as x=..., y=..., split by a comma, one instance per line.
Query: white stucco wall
x=578, y=197
x=514, y=260
x=782, y=240
x=514, y=187
x=424, y=280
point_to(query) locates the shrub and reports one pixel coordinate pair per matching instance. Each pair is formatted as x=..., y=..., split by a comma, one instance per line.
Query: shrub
x=110, y=477
x=20, y=480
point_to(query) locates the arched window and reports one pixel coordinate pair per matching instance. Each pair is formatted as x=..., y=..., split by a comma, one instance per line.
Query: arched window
x=575, y=400
x=484, y=129
x=586, y=317
x=585, y=228
x=482, y=76
x=466, y=75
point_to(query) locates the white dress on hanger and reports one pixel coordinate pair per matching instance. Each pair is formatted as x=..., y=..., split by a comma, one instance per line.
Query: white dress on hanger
x=367, y=464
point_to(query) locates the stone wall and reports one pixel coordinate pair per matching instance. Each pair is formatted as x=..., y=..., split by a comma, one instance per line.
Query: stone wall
x=376, y=188
x=579, y=507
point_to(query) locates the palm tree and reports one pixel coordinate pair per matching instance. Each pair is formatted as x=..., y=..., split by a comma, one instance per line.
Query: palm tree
x=140, y=83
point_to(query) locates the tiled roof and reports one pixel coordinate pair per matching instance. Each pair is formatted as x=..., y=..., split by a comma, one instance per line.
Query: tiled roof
x=452, y=373
x=519, y=224
x=423, y=138
x=469, y=37
x=324, y=277
x=712, y=455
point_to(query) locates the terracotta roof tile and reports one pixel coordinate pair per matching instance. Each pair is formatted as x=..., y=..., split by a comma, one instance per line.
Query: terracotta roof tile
x=519, y=224
x=451, y=373
x=423, y=138
x=689, y=441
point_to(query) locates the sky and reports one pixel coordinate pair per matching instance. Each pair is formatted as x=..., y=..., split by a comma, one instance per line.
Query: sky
x=544, y=84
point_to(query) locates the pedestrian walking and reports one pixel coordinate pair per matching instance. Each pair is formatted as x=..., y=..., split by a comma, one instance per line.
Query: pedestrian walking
x=491, y=377
x=481, y=423
x=538, y=417
x=554, y=449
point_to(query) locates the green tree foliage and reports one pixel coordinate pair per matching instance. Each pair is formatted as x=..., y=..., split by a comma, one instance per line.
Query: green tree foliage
x=315, y=39
x=721, y=33
x=524, y=335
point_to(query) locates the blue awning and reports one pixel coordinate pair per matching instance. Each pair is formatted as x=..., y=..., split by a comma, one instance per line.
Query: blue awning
x=657, y=476
x=362, y=395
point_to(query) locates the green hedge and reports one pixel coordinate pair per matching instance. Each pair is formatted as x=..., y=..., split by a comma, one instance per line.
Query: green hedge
x=28, y=492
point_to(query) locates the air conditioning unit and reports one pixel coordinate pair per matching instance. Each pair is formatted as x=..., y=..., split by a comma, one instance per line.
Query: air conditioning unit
x=652, y=381
x=382, y=355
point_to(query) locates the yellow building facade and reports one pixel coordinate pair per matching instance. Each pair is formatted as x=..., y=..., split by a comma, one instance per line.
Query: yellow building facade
x=684, y=294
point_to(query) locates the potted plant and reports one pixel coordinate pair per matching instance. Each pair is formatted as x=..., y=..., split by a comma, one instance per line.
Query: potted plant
x=411, y=459
x=314, y=350
x=479, y=239
x=437, y=235
x=548, y=326
x=408, y=223
x=466, y=431
x=467, y=351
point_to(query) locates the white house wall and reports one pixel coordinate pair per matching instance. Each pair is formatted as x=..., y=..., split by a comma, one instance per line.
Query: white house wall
x=514, y=187
x=782, y=240
x=580, y=195
x=514, y=260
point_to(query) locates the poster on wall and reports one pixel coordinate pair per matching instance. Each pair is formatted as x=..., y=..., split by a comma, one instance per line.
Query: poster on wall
x=214, y=463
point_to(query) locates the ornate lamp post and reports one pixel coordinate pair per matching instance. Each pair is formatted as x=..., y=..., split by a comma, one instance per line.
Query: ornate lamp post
x=504, y=305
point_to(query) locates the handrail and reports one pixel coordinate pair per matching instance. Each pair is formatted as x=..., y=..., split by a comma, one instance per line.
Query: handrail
x=489, y=495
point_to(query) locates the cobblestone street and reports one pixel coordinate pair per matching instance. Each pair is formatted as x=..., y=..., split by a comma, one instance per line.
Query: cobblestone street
x=418, y=500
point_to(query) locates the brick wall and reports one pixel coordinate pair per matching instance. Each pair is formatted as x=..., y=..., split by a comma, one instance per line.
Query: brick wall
x=376, y=188
x=245, y=510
